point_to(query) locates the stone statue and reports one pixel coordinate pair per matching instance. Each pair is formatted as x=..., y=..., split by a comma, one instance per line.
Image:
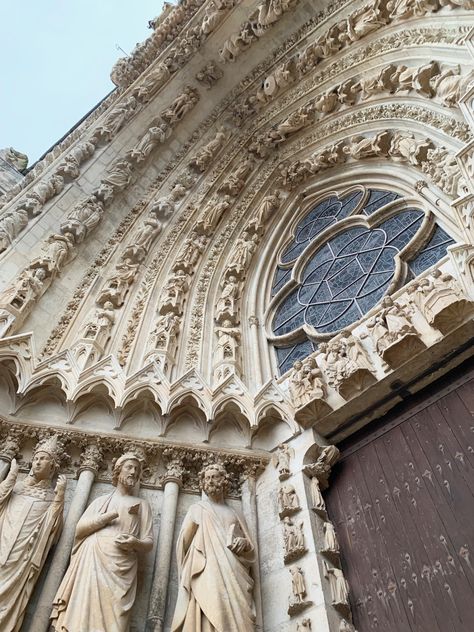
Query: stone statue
x=214, y=553
x=84, y=217
x=11, y=225
x=99, y=587
x=155, y=135
x=117, y=285
x=317, y=500
x=119, y=175
x=206, y=154
x=281, y=460
x=189, y=255
x=180, y=106
x=304, y=625
x=99, y=324
x=25, y=290
x=331, y=545
x=305, y=383
x=31, y=516
x=59, y=250
x=174, y=293
x=288, y=500
x=226, y=306
x=389, y=325
x=144, y=237
x=209, y=74
x=293, y=538
x=117, y=118
x=242, y=254
x=266, y=209
x=338, y=584
x=212, y=214
x=298, y=587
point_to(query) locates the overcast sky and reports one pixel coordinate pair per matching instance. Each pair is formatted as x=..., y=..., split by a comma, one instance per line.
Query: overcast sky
x=56, y=62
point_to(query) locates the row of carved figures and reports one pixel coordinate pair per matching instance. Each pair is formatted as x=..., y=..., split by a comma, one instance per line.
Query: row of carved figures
x=117, y=179
x=446, y=83
x=294, y=543
x=344, y=363
x=98, y=588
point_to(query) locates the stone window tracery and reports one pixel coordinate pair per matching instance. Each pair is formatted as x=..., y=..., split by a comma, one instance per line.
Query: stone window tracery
x=373, y=240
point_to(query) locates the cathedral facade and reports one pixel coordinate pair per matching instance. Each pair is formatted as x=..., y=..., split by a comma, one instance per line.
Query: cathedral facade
x=248, y=277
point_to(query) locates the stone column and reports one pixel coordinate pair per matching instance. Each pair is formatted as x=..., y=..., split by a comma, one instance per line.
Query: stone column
x=8, y=451
x=90, y=460
x=254, y=344
x=249, y=507
x=157, y=604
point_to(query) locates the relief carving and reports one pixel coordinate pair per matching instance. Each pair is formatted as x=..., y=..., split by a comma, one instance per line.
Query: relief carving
x=347, y=366
x=204, y=157
x=281, y=460
x=293, y=538
x=319, y=473
x=394, y=335
x=339, y=587
x=226, y=306
x=288, y=501
x=441, y=301
x=297, y=599
x=209, y=74
x=174, y=293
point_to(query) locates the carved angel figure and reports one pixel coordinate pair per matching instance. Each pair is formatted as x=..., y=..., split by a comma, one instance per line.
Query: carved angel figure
x=281, y=460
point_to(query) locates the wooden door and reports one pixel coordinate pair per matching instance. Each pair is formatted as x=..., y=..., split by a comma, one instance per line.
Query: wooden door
x=402, y=503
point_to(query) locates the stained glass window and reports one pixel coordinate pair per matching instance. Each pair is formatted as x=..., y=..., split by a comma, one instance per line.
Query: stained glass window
x=348, y=274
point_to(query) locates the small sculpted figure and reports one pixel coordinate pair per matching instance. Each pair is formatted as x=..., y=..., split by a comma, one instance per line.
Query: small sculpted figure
x=24, y=292
x=293, y=536
x=99, y=587
x=214, y=552
x=288, y=499
x=281, y=460
x=298, y=584
x=31, y=517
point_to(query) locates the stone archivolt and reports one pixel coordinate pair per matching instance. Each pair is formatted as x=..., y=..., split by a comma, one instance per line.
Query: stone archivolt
x=162, y=336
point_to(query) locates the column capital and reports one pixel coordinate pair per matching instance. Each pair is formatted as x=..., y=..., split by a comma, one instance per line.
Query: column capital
x=11, y=444
x=174, y=470
x=91, y=458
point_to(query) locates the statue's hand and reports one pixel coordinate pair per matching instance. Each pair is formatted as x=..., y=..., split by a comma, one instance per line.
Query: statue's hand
x=14, y=467
x=127, y=542
x=108, y=517
x=60, y=487
x=239, y=546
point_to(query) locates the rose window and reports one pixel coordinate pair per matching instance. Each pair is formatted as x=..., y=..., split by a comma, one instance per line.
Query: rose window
x=328, y=279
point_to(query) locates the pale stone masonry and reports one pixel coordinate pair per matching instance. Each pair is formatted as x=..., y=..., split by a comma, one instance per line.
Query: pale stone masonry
x=257, y=245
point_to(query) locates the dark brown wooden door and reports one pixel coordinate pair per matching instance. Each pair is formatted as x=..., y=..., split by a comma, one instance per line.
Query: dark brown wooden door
x=402, y=501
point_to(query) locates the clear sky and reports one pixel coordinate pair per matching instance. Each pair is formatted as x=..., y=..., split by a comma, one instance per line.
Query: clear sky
x=56, y=60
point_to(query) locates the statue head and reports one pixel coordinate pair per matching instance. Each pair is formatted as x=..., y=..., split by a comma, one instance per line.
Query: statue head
x=214, y=480
x=127, y=470
x=46, y=459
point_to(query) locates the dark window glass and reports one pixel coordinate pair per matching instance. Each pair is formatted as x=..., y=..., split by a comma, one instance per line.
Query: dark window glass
x=287, y=355
x=433, y=251
x=351, y=272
